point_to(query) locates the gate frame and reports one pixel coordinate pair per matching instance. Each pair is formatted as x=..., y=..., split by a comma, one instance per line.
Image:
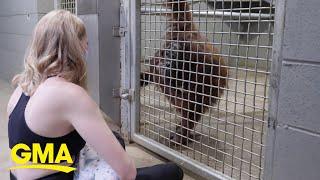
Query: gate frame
x=130, y=107
x=275, y=73
x=130, y=81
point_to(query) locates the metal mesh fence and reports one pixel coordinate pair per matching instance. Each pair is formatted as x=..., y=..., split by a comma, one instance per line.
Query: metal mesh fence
x=69, y=5
x=205, y=67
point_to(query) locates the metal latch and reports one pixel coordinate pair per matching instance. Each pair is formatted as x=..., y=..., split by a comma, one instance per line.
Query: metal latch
x=125, y=94
x=118, y=31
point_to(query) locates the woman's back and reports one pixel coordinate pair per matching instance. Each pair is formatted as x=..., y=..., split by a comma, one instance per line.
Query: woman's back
x=39, y=119
x=42, y=109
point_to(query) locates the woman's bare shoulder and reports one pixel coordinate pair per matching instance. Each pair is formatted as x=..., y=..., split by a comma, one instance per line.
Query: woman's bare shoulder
x=70, y=100
x=64, y=92
x=68, y=89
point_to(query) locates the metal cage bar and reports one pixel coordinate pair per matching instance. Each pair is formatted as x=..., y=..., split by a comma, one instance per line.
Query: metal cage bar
x=228, y=140
x=70, y=5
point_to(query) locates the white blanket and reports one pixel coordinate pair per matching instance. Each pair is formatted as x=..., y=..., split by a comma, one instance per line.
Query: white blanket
x=92, y=167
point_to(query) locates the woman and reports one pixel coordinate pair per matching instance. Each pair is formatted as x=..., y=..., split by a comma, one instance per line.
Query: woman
x=51, y=104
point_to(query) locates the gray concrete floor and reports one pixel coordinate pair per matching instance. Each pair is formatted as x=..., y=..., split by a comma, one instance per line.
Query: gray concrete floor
x=141, y=156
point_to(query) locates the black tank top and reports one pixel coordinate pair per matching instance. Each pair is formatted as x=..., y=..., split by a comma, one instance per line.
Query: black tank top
x=19, y=132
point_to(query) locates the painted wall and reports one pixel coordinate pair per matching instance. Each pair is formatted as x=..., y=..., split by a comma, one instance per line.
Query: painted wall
x=294, y=143
x=17, y=20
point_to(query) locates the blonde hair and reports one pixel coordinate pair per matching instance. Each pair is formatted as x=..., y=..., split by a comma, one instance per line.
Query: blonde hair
x=55, y=49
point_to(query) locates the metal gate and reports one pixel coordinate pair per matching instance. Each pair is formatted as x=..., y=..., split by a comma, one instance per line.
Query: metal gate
x=70, y=5
x=199, y=70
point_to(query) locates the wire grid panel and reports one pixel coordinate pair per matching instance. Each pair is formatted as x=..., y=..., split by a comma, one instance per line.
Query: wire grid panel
x=205, y=67
x=70, y=5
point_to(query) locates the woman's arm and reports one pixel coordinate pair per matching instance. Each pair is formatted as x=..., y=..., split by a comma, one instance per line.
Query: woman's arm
x=84, y=114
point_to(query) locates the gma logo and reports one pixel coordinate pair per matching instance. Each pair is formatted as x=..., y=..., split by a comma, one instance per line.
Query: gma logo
x=43, y=155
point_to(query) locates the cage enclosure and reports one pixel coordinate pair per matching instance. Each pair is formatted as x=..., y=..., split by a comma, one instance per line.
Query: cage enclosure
x=227, y=133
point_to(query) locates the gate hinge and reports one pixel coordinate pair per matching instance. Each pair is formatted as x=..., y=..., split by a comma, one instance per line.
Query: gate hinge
x=271, y=123
x=125, y=94
x=118, y=31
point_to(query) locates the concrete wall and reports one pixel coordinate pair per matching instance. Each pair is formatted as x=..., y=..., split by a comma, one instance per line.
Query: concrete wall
x=294, y=139
x=17, y=20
